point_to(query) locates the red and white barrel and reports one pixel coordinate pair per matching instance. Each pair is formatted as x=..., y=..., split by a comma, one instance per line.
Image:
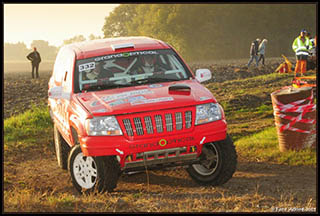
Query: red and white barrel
x=295, y=117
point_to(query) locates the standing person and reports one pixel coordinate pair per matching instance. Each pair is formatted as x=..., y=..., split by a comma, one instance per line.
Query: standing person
x=35, y=59
x=261, y=51
x=301, y=46
x=254, y=51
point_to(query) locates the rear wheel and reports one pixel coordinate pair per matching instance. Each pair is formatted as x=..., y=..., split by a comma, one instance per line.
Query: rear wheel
x=218, y=163
x=61, y=148
x=92, y=174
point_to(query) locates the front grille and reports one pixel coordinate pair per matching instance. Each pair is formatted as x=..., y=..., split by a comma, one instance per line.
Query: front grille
x=157, y=123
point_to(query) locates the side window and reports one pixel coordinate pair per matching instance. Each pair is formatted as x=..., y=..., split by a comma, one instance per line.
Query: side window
x=68, y=68
x=63, y=69
x=58, y=67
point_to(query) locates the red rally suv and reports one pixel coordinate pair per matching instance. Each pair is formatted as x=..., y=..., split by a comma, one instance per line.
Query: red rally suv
x=129, y=104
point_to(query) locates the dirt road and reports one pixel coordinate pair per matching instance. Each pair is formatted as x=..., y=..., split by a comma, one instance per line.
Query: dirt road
x=258, y=187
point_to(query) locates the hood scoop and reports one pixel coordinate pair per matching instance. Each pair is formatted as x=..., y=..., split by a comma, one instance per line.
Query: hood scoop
x=180, y=89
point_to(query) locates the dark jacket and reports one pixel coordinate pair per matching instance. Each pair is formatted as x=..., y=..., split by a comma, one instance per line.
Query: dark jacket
x=254, y=47
x=34, y=57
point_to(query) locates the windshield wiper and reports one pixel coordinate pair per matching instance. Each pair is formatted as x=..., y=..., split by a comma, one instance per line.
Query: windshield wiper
x=150, y=80
x=105, y=86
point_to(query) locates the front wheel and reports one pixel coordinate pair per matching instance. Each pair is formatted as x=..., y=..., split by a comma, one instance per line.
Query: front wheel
x=91, y=174
x=218, y=163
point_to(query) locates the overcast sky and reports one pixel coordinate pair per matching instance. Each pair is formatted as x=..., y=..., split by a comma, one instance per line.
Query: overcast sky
x=53, y=22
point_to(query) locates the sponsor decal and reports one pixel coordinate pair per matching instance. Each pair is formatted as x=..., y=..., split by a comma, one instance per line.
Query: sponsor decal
x=127, y=100
x=118, y=150
x=128, y=54
x=126, y=95
x=162, y=142
x=201, y=142
x=57, y=92
x=95, y=103
x=154, y=100
x=204, y=98
x=155, y=85
x=117, y=102
x=120, y=101
x=100, y=111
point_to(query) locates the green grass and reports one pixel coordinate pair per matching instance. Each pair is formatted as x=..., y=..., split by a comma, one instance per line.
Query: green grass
x=28, y=129
x=264, y=108
x=263, y=147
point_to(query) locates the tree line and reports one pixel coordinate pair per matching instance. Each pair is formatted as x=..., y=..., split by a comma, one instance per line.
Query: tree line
x=199, y=31
x=214, y=31
x=19, y=51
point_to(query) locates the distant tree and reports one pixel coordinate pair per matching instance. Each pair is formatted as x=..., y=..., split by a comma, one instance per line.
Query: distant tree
x=77, y=38
x=15, y=51
x=214, y=31
x=47, y=52
x=118, y=21
x=93, y=37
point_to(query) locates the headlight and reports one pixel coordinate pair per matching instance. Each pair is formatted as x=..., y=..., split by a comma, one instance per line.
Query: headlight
x=103, y=126
x=207, y=113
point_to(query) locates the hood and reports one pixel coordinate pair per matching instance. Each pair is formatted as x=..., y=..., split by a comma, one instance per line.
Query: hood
x=145, y=98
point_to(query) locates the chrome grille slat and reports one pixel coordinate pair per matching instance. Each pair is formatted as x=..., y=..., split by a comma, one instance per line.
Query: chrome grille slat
x=128, y=127
x=138, y=125
x=148, y=122
x=178, y=116
x=188, y=119
x=169, y=124
x=159, y=125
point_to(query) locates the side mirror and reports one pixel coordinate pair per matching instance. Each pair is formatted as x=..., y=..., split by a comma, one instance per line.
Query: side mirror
x=203, y=75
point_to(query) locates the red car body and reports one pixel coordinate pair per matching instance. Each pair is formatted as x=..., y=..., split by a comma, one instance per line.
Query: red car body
x=70, y=109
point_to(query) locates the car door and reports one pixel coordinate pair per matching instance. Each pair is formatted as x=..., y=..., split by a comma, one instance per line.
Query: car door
x=60, y=88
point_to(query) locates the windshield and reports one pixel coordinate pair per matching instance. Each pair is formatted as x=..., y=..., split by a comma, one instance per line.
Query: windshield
x=129, y=69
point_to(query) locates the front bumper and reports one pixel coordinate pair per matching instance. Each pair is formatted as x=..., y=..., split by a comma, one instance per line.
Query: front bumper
x=134, y=153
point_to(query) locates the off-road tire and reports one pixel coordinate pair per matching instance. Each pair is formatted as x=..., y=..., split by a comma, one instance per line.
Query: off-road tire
x=61, y=148
x=220, y=170
x=106, y=171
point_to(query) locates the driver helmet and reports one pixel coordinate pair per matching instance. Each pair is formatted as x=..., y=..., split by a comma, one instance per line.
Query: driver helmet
x=148, y=60
x=148, y=63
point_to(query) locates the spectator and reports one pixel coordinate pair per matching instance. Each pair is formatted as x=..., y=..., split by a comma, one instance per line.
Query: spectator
x=262, y=48
x=312, y=52
x=254, y=51
x=301, y=46
x=35, y=59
